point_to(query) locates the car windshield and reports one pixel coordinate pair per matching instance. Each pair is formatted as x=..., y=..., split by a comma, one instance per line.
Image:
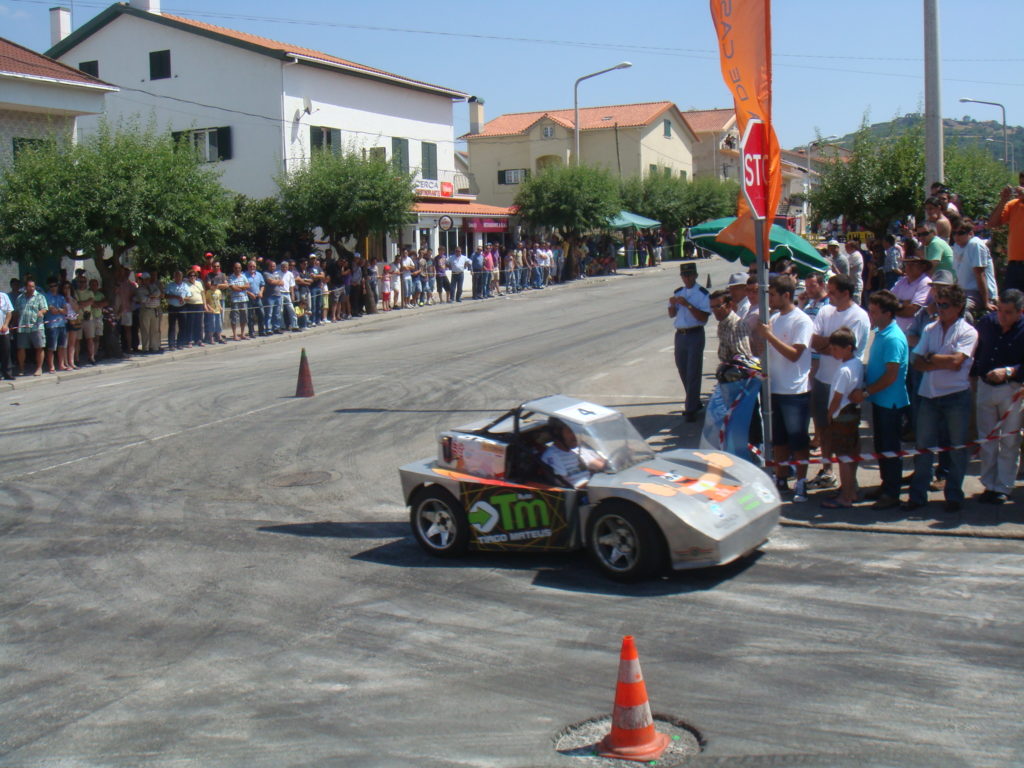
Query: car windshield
x=616, y=439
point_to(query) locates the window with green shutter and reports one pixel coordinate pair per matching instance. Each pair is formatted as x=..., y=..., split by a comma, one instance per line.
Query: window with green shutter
x=428, y=166
x=400, y=154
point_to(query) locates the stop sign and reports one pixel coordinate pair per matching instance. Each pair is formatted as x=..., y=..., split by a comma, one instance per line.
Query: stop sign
x=754, y=151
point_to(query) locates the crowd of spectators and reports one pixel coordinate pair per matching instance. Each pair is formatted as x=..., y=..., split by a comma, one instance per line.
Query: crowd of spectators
x=59, y=329
x=915, y=325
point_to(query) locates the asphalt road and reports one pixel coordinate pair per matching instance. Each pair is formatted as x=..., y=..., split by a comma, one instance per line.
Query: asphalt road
x=177, y=594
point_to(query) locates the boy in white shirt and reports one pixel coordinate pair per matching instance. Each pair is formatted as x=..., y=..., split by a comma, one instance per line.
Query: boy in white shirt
x=843, y=415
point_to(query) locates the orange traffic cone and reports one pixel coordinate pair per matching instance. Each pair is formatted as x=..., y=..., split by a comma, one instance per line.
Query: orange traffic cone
x=632, y=736
x=304, y=387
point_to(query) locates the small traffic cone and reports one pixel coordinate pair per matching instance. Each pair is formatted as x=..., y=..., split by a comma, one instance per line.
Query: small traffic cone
x=304, y=387
x=632, y=736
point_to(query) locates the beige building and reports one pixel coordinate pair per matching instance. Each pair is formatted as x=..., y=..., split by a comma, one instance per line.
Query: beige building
x=627, y=139
x=715, y=155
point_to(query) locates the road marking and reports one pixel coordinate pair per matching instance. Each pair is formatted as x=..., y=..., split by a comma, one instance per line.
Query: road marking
x=667, y=349
x=634, y=362
x=165, y=436
x=115, y=383
x=597, y=376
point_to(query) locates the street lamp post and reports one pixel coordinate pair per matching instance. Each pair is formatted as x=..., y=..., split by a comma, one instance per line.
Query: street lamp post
x=1006, y=142
x=810, y=171
x=576, y=106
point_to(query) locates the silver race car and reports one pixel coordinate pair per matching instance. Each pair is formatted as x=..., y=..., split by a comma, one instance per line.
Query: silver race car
x=488, y=489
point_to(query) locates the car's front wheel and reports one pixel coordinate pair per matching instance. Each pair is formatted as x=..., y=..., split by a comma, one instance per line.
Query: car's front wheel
x=439, y=522
x=624, y=542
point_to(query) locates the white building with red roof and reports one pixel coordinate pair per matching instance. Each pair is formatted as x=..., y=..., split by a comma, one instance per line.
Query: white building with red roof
x=41, y=99
x=627, y=139
x=260, y=106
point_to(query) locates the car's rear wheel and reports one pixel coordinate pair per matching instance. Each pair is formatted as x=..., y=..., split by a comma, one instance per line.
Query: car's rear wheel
x=624, y=542
x=439, y=522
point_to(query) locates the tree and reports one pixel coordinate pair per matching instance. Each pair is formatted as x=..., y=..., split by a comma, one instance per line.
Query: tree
x=678, y=203
x=882, y=180
x=121, y=188
x=570, y=199
x=260, y=227
x=347, y=196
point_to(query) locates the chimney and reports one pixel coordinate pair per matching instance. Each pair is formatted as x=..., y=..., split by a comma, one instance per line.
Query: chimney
x=152, y=6
x=60, y=24
x=476, y=114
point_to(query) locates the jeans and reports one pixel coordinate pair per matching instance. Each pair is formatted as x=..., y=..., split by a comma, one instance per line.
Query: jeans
x=173, y=326
x=272, y=308
x=192, y=314
x=485, y=284
x=887, y=426
x=791, y=417
x=213, y=326
x=941, y=421
x=255, y=317
x=513, y=281
x=288, y=313
x=316, y=305
x=458, y=279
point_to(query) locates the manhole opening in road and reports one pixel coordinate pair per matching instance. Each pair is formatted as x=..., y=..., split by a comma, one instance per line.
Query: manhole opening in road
x=296, y=479
x=580, y=740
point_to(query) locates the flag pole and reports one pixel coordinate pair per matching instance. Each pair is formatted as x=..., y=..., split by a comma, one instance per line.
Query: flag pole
x=762, y=309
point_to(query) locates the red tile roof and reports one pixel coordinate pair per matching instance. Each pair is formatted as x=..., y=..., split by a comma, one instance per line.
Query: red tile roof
x=18, y=60
x=708, y=120
x=286, y=49
x=591, y=118
x=455, y=208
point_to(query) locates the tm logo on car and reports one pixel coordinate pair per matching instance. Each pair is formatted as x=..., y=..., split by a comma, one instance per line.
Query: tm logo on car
x=520, y=514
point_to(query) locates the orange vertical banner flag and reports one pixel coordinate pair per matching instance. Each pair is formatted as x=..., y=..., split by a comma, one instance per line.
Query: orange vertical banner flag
x=744, y=30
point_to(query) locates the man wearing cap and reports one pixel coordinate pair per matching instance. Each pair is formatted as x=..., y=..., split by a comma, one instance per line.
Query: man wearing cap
x=840, y=264
x=1010, y=211
x=207, y=267
x=689, y=307
x=912, y=289
x=738, y=293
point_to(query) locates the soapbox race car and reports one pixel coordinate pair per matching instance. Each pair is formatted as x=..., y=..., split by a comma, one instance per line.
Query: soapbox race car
x=643, y=513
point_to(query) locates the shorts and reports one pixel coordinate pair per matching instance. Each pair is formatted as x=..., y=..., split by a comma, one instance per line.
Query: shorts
x=428, y=284
x=417, y=285
x=31, y=340
x=791, y=415
x=819, y=403
x=845, y=431
x=56, y=337
x=125, y=319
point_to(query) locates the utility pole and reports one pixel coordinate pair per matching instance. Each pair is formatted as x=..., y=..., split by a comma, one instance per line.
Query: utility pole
x=933, y=158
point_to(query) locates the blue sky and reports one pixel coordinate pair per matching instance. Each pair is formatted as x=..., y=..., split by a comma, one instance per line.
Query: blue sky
x=834, y=61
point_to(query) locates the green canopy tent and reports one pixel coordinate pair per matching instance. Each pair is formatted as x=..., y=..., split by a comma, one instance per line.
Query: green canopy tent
x=784, y=245
x=627, y=220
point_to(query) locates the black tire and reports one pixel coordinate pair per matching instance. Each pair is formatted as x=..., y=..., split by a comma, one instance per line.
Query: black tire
x=624, y=542
x=439, y=522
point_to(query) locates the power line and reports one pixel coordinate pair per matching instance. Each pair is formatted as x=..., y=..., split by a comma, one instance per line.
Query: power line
x=698, y=53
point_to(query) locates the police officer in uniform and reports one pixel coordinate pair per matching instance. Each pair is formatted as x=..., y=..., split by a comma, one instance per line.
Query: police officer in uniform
x=689, y=309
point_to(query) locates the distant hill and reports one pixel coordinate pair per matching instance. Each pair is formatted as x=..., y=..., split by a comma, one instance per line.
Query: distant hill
x=966, y=132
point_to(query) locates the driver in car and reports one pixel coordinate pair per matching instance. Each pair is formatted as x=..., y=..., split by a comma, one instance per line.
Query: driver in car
x=571, y=462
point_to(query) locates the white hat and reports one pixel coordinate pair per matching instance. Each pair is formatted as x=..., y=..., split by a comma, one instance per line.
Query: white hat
x=737, y=278
x=834, y=242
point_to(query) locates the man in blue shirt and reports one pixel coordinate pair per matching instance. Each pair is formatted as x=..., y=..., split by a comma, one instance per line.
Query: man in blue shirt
x=690, y=307
x=886, y=387
x=56, y=327
x=255, y=297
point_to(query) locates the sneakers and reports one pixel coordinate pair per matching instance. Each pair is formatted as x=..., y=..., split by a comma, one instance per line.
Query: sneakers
x=823, y=480
x=782, y=484
x=800, y=491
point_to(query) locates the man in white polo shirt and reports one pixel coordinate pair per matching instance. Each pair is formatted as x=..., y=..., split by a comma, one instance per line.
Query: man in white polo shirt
x=945, y=355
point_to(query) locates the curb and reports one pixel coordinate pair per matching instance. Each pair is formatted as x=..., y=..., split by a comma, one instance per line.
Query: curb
x=966, y=532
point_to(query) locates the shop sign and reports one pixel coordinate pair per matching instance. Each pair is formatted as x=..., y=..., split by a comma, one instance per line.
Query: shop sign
x=488, y=225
